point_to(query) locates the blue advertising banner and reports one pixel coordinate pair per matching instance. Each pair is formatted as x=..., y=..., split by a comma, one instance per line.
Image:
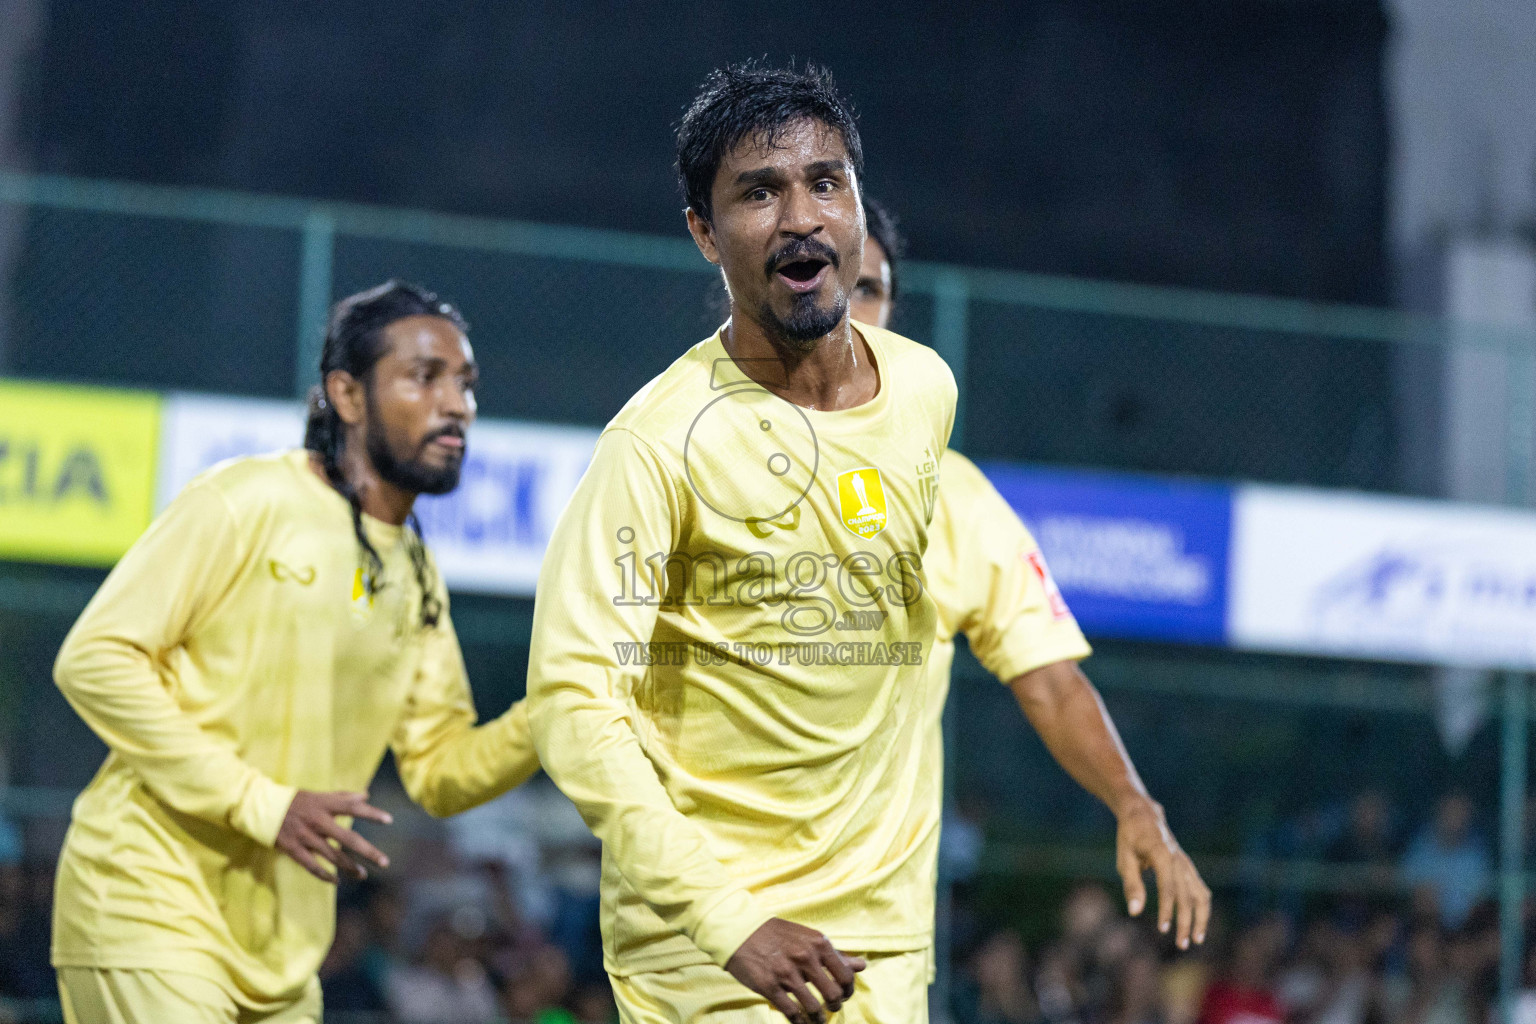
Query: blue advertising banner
x=1136, y=557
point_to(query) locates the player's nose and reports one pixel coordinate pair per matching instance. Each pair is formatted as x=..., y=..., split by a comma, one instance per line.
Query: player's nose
x=800, y=214
x=455, y=403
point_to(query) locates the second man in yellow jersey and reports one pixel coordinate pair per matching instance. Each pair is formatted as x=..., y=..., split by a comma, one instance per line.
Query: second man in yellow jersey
x=247, y=664
x=991, y=583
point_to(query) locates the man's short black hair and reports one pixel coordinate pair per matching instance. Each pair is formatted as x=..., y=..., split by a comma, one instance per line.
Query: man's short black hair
x=749, y=101
x=880, y=224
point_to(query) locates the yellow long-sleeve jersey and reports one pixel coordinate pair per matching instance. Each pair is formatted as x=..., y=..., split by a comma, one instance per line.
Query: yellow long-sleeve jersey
x=232, y=657
x=727, y=668
x=990, y=582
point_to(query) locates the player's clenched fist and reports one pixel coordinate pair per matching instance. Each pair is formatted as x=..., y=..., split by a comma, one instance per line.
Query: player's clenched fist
x=786, y=962
x=310, y=834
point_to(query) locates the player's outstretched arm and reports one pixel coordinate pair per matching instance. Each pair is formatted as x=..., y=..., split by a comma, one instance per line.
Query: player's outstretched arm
x=448, y=763
x=1067, y=712
x=150, y=603
x=593, y=616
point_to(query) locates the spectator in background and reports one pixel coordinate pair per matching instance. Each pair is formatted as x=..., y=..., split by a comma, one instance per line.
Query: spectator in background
x=1368, y=836
x=446, y=984
x=24, y=969
x=1182, y=990
x=1329, y=980
x=534, y=994
x=1069, y=984
x=348, y=984
x=1244, y=993
x=1432, y=993
x=1449, y=860
x=999, y=990
x=1525, y=1005
x=593, y=1004
x=537, y=837
x=1135, y=989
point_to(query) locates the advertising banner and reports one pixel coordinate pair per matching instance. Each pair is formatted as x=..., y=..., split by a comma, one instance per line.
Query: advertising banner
x=1135, y=557
x=77, y=471
x=202, y=430
x=1397, y=579
x=488, y=536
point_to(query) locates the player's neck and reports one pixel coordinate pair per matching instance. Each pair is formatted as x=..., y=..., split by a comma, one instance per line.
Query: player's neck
x=378, y=497
x=837, y=372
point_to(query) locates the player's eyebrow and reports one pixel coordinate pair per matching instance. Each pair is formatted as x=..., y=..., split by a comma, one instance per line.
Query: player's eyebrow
x=823, y=168
x=760, y=176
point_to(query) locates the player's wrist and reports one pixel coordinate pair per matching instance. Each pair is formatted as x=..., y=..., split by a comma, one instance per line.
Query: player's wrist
x=1134, y=803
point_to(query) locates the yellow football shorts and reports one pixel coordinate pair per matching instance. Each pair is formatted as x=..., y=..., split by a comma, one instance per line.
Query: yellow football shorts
x=892, y=989
x=110, y=996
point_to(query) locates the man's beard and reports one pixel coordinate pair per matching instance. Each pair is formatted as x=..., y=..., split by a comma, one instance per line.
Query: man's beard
x=410, y=474
x=805, y=325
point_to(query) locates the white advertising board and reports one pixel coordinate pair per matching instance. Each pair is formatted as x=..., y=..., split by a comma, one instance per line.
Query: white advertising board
x=197, y=431
x=1388, y=578
x=488, y=536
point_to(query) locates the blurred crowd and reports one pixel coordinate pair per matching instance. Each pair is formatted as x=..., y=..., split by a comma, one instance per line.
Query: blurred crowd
x=493, y=916
x=1410, y=937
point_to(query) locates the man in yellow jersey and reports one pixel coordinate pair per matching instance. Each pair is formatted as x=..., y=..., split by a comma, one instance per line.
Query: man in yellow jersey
x=729, y=639
x=990, y=582
x=247, y=663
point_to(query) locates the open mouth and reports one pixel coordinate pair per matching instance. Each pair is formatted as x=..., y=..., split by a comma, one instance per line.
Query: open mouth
x=803, y=275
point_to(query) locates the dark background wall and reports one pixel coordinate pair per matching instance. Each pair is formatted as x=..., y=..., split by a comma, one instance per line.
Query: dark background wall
x=1237, y=145
x=1231, y=144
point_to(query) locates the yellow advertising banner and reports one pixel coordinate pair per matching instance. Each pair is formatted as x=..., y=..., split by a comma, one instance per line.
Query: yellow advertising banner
x=77, y=471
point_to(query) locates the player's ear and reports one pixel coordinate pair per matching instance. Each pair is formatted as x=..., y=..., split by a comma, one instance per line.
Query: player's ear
x=345, y=393
x=703, y=233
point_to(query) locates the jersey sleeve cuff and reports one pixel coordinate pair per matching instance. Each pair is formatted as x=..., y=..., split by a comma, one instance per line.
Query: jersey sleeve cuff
x=260, y=813
x=1021, y=654
x=727, y=924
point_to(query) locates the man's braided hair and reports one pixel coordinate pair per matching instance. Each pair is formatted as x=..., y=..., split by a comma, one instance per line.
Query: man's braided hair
x=354, y=342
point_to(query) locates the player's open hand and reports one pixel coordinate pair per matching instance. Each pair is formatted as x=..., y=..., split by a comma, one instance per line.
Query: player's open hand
x=1144, y=843
x=311, y=834
x=788, y=964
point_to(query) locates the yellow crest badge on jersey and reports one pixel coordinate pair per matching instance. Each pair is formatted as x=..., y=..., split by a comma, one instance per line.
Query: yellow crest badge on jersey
x=861, y=501
x=362, y=596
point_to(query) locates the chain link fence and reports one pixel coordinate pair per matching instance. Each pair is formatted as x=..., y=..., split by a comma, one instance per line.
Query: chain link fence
x=196, y=290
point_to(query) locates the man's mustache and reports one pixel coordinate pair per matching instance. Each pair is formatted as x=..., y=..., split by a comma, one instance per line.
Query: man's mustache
x=801, y=249
x=457, y=432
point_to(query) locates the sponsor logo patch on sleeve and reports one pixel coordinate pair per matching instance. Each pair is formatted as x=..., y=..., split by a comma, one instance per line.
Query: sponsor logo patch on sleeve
x=1059, y=609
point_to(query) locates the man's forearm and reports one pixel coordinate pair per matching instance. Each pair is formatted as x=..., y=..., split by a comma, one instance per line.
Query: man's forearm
x=470, y=765
x=113, y=687
x=1066, y=711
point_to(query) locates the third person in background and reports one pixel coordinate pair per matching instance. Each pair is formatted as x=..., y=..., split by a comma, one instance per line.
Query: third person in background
x=990, y=582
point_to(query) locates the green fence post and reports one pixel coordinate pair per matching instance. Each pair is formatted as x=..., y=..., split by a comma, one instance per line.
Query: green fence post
x=951, y=324
x=317, y=248
x=1520, y=398
x=1512, y=843
x=951, y=311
